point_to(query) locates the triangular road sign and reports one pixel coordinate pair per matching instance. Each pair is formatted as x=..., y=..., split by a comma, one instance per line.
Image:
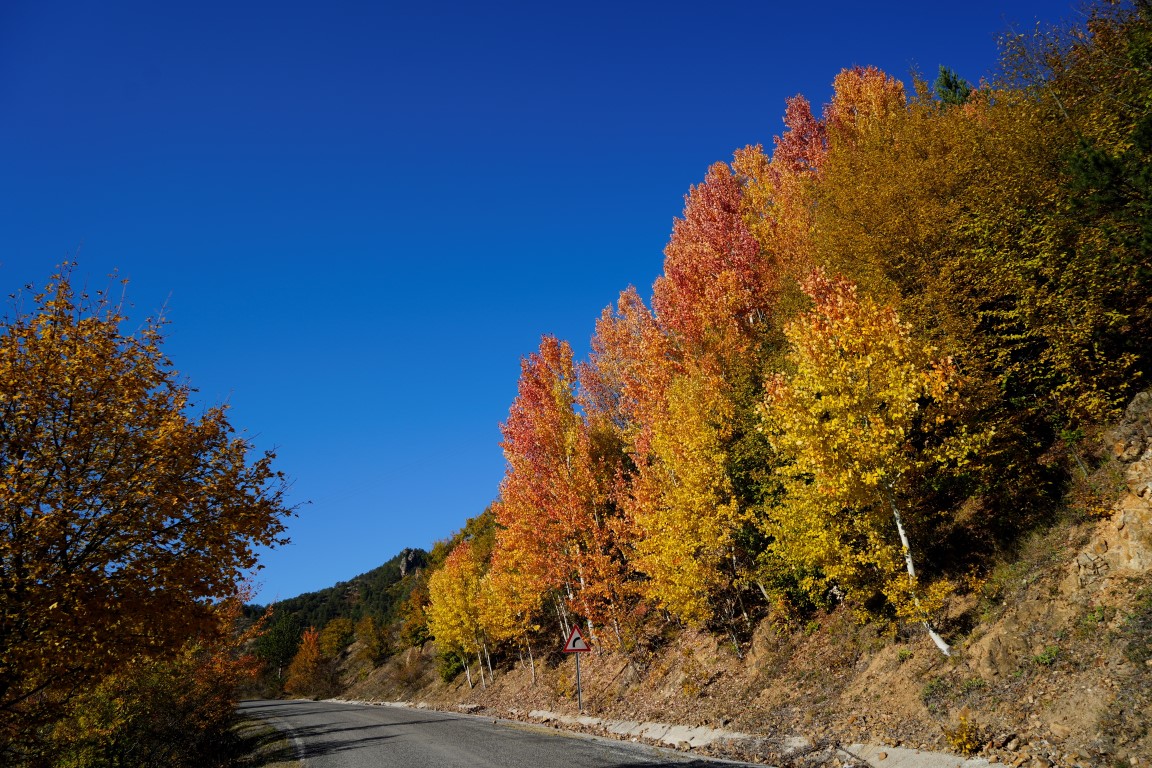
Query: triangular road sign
x=576, y=642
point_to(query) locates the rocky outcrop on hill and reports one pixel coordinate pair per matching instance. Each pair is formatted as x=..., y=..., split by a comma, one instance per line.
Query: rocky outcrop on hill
x=1124, y=541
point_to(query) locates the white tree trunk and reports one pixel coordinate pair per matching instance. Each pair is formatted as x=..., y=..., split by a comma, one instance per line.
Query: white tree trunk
x=939, y=641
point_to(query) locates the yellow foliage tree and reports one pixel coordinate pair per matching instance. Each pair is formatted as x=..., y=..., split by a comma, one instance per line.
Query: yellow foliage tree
x=309, y=673
x=372, y=640
x=454, y=605
x=179, y=712
x=682, y=502
x=863, y=411
x=510, y=605
x=337, y=635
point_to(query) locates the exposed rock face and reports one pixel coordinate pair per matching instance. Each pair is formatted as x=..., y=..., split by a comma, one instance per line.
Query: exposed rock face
x=410, y=559
x=1124, y=541
x=1130, y=441
x=1120, y=546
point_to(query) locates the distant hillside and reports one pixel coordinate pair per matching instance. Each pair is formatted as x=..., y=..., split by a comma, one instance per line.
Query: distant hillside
x=377, y=593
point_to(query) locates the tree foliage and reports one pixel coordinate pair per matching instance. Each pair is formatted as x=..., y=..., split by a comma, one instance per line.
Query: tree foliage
x=454, y=607
x=337, y=635
x=371, y=640
x=311, y=673
x=862, y=417
x=555, y=511
x=178, y=711
x=123, y=515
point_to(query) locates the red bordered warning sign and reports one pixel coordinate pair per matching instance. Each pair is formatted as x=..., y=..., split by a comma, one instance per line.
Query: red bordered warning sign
x=576, y=642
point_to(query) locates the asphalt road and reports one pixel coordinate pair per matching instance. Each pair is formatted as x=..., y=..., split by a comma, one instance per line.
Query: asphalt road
x=338, y=735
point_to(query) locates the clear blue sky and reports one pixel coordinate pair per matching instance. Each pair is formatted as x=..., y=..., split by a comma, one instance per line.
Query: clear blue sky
x=360, y=216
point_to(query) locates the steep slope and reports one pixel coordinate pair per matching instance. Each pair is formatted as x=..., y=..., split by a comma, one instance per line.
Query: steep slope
x=1053, y=662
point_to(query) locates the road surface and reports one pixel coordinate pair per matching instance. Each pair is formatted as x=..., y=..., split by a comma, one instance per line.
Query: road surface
x=338, y=735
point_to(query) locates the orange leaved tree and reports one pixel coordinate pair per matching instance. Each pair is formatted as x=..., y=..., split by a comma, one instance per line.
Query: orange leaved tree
x=124, y=516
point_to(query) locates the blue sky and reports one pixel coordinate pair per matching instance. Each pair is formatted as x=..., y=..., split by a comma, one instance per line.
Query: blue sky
x=358, y=217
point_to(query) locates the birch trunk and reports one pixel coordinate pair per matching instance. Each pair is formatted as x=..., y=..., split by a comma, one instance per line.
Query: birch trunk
x=939, y=641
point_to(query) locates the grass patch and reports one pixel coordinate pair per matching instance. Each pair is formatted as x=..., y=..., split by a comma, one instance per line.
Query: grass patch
x=262, y=745
x=935, y=694
x=1137, y=629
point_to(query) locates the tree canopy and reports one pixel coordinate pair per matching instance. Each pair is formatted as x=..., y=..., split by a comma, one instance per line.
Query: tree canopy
x=125, y=514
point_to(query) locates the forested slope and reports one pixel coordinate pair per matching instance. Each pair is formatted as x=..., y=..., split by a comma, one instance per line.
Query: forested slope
x=877, y=367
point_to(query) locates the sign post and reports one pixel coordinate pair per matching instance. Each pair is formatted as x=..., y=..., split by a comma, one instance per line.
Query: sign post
x=576, y=645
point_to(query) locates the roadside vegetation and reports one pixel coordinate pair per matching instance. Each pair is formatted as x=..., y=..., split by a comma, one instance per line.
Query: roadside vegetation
x=127, y=515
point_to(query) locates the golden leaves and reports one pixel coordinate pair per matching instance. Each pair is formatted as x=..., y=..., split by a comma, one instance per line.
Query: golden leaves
x=845, y=418
x=122, y=517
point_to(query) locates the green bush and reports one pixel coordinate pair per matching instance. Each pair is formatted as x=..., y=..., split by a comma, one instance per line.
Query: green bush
x=166, y=714
x=449, y=665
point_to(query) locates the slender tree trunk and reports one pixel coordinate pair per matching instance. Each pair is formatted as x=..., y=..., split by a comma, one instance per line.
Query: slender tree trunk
x=488, y=656
x=532, y=664
x=939, y=641
x=763, y=591
x=480, y=664
x=587, y=611
x=468, y=673
x=562, y=612
x=735, y=643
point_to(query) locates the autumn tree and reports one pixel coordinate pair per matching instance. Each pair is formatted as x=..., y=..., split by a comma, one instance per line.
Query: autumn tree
x=179, y=711
x=454, y=606
x=337, y=635
x=778, y=192
x=555, y=512
x=624, y=382
x=123, y=513
x=864, y=99
x=372, y=640
x=510, y=605
x=982, y=224
x=1091, y=88
x=716, y=287
x=309, y=673
x=683, y=503
x=414, y=615
x=862, y=416
x=690, y=494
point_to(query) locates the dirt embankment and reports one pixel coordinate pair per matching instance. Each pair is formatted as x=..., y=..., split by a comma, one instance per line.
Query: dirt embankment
x=1054, y=668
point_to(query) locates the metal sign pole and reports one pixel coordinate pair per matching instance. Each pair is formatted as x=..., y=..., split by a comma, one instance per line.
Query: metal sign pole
x=579, y=697
x=576, y=645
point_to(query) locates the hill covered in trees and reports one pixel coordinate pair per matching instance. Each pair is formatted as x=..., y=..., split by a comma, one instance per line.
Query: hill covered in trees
x=378, y=593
